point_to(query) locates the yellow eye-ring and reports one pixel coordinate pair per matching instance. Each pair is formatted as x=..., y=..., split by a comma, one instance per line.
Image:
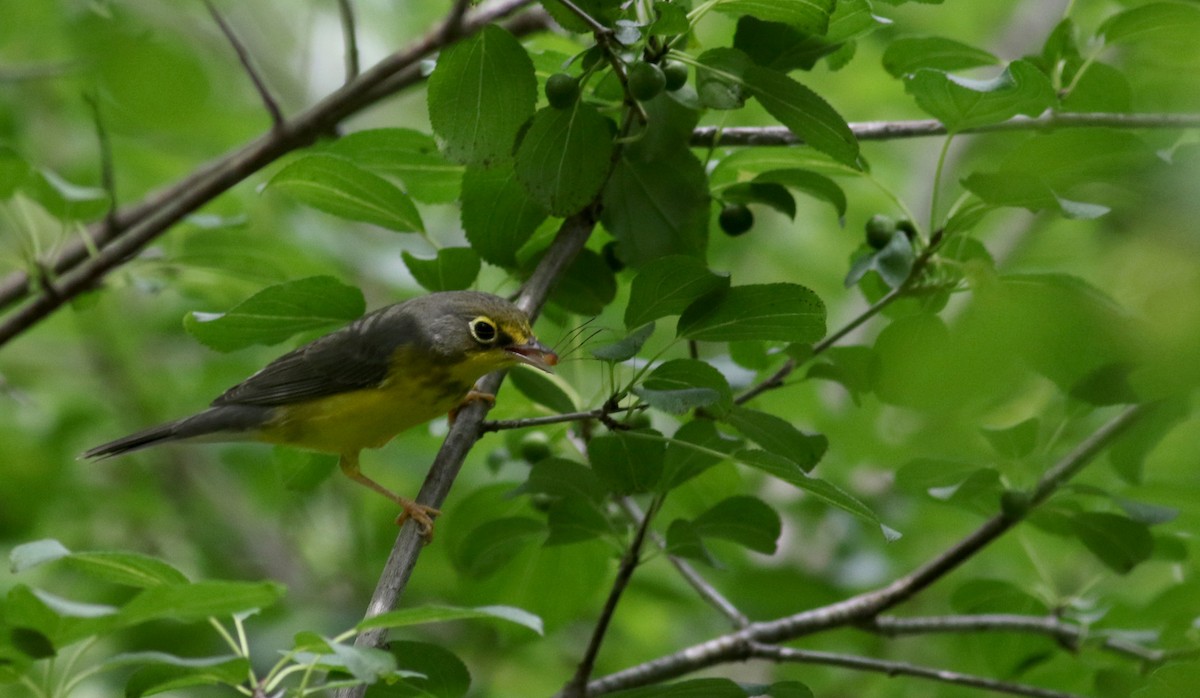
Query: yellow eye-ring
x=483, y=330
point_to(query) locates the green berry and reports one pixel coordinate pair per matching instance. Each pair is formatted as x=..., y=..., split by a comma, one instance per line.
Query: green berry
x=676, y=74
x=646, y=80
x=535, y=446
x=609, y=253
x=907, y=226
x=736, y=219
x=880, y=230
x=562, y=90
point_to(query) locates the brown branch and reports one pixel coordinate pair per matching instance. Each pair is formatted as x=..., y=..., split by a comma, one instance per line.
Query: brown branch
x=141, y=223
x=244, y=57
x=789, y=654
x=350, y=37
x=857, y=609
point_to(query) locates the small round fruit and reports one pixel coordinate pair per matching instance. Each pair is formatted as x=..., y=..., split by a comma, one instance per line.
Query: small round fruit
x=609, y=253
x=646, y=81
x=562, y=90
x=676, y=74
x=880, y=230
x=736, y=219
x=908, y=227
x=535, y=446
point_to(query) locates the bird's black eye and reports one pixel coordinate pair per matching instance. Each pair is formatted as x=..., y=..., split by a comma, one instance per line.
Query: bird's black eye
x=483, y=330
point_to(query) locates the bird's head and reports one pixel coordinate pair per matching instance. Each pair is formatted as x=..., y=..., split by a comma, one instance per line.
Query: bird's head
x=482, y=332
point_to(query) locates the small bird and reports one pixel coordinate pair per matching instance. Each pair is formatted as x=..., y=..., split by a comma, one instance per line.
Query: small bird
x=358, y=387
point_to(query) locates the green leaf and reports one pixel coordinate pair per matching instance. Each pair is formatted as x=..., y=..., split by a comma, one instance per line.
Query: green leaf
x=302, y=471
x=437, y=671
x=560, y=477
x=684, y=541
x=439, y=614
x=625, y=348
x=1171, y=681
x=29, y=555
x=498, y=215
x=780, y=46
x=811, y=16
x=160, y=672
x=680, y=385
x=907, y=55
x=778, y=436
x=1016, y=441
x=129, y=569
x=963, y=103
x=769, y=312
x=603, y=11
x=995, y=596
x=278, y=312
x=628, y=462
x=893, y=262
x=966, y=485
x=815, y=185
x=452, y=269
x=695, y=447
x=544, y=389
x=804, y=113
x=769, y=194
x=1119, y=542
x=747, y=521
x=367, y=664
x=657, y=208
x=573, y=519
x=199, y=600
x=481, y=93
x=787, y=470
x=587, y=286
x=694, y=688
x=667, y=286
x=1166, y=26
x=565, y=156
x=492, y=545
x=410, y=156
x=855, y=367
x=719, y=78
x=788, y=689
x=337, y=186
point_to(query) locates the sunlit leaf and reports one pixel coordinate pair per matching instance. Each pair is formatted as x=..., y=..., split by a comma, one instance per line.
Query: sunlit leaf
x=339, y=187
x=564, y=157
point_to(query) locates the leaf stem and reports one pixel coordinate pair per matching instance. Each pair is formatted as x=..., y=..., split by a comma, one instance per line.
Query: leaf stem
x=937, y=182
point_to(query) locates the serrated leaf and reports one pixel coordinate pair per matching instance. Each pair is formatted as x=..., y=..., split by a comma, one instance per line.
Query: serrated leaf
x=815, y=185
x=667, y=286
x=1119, y=542
x=769, y=312
x=481, y=93
x=278, y=312
x=680, y=385
x=747, y=521
x=565, y=156
x=788, y=471
x=451, y=269
x=498, y=215
x=199, y=600
x=410, y=156
x=907, y=55
x=811, y=16
x=778, y=436
x=29, y=555
x=339, y=187
x=628, y=462
x=695, y=447
x=440, y=614
x=804, y=113
x=625, y=348
x=963, y=103
x=544, y=389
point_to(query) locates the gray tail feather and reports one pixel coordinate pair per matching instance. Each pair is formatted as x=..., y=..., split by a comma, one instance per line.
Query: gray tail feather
x=231, y=421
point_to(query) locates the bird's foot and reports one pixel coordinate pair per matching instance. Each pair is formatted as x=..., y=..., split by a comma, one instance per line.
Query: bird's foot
x=420, y=514
x=473, y=396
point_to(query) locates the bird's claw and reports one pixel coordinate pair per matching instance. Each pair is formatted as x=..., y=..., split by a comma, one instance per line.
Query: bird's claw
x=421, y=515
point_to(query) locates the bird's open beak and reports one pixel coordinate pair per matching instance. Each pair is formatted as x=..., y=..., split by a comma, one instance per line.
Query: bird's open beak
x=535, y=354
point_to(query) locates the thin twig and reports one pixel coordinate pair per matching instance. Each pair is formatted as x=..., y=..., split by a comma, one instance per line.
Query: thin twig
x=349, y=37
x=577, y=686
x=848, y=661
x=856, y=609
x=527, y=422
x=1071, y=635
x=244, y=57
x=595, y=26
x=708, y=136
x=107, y=177
x=707, y=591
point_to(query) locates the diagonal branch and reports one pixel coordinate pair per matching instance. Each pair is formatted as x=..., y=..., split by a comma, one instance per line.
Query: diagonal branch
x=142, y=223
x=856, y=609
x=891, y=668
x=244, y=57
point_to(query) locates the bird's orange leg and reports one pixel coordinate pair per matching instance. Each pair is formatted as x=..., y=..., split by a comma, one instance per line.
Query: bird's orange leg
x=473, y=396
x=421, y=514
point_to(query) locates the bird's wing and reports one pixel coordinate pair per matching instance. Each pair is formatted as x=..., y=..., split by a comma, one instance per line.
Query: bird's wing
x=355, y=357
